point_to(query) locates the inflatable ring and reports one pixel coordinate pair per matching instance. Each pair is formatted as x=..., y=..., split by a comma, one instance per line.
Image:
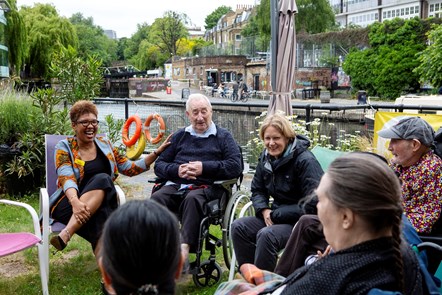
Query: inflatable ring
x=132, y=140
x=134, y=152
x=160, y=131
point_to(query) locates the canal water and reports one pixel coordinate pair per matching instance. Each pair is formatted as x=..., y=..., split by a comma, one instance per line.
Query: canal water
x=242, y=124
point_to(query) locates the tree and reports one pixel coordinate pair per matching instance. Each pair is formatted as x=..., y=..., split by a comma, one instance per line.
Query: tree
x=92, y=40
x=133, y=43
x=430, y=60
x=386, y=67
x=77, y=78
x=17, y=41
x=167, y=32
x=212, y=19
x=47, y=33
x=314, y=16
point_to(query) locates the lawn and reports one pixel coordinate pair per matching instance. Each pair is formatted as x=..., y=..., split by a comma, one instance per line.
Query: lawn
x=72, y=271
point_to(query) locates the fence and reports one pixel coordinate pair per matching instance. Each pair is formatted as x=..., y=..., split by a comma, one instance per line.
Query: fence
x=243, y=120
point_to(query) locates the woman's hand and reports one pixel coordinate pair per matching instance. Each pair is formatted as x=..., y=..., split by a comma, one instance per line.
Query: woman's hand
x=80, y=211
x=165, y=144
x=325, y=253
x=266, y=215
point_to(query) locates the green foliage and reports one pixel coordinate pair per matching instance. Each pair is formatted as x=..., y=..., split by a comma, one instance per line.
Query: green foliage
x=15, y=112
x=167, y=31
x=47, y=33
x=430, y=60
x=133, y=43
x=114, y=127
x=212, y=19
x=92, y=41
x=45, y=117
x=314, y=16
x=77, y=78
x=386, y=68
x=312, y=130
x=16, y=37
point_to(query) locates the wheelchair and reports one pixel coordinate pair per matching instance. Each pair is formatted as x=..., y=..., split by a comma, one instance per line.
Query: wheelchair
x=222, y=210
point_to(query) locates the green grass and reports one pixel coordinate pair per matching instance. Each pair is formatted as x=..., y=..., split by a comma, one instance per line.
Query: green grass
x=72, y=271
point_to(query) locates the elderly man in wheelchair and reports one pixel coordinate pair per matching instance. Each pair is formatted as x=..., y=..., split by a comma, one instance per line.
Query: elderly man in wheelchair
x=198, y=155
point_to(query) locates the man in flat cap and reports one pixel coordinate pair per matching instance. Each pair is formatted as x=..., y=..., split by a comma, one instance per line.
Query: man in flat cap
x=420, y=171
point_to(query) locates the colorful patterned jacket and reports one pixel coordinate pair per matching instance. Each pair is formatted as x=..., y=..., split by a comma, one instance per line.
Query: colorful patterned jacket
x=70, y=166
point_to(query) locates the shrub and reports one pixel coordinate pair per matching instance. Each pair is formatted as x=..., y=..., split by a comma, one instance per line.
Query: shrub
x=344, y=142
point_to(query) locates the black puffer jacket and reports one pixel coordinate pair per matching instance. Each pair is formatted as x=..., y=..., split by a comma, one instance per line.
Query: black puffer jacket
x=287, y=180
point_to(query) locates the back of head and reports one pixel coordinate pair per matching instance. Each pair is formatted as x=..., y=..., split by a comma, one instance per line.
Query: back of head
x=366, y=184
x=196, y=97
x=280, y=122
x=140, y=248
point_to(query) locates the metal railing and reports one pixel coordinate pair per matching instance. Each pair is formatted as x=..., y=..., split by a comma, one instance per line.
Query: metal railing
x=242, y=119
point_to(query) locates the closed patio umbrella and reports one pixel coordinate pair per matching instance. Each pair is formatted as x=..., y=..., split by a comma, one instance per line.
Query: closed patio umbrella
x=283, y=56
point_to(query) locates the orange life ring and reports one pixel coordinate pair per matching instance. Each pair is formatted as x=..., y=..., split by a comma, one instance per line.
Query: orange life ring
x=160, y=131
x=125, y=137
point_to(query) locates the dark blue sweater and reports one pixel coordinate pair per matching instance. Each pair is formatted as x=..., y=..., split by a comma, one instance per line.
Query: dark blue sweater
x=219, y=154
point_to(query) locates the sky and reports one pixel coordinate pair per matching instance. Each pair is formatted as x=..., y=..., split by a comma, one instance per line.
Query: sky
x=123, y=16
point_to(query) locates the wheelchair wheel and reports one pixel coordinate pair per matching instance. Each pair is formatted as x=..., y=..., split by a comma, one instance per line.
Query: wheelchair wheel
x=208, y=274
x=238, y=200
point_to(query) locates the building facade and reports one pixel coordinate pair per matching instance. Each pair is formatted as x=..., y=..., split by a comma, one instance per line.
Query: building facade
x=227, y=33
x=366, y=12
x=4, y=68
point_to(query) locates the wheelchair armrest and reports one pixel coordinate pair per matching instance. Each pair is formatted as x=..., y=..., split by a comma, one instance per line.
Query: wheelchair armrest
x=226, y=183
x=433, y=239
x=156, y=180
x=429, y=245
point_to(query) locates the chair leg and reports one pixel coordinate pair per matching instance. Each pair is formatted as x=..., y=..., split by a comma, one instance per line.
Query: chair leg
x=43, y=261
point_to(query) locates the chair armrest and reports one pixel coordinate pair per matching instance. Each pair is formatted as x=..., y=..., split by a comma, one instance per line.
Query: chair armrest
x=31, y=211
x=120, y=194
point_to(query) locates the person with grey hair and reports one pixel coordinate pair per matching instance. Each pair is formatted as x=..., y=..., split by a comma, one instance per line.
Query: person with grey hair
x=420, y=171
x=360, y=211
x=198, y=155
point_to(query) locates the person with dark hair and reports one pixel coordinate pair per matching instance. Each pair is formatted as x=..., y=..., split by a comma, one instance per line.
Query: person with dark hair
x=360, y=211
x=139, y=251
x=420, y=170
x=288, y=172
x=199, y=155
x=87, y=166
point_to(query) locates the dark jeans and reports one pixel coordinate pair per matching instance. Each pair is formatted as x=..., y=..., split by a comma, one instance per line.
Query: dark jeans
x=306, y=239
x=190, y=210
x=256, y=243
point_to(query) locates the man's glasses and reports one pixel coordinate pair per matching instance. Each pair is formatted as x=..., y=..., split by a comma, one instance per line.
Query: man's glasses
x=86, y=123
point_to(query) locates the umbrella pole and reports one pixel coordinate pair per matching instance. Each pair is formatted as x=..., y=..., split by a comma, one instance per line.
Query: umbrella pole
x=274, y=22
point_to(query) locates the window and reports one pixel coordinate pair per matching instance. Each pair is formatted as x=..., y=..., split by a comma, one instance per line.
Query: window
x=238, y=37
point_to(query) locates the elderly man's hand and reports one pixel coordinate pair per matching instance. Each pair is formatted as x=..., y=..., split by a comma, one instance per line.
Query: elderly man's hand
x=195, y=168
x=190, y=170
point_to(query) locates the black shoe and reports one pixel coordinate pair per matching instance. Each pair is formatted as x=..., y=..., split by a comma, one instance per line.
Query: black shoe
x=58, y=243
